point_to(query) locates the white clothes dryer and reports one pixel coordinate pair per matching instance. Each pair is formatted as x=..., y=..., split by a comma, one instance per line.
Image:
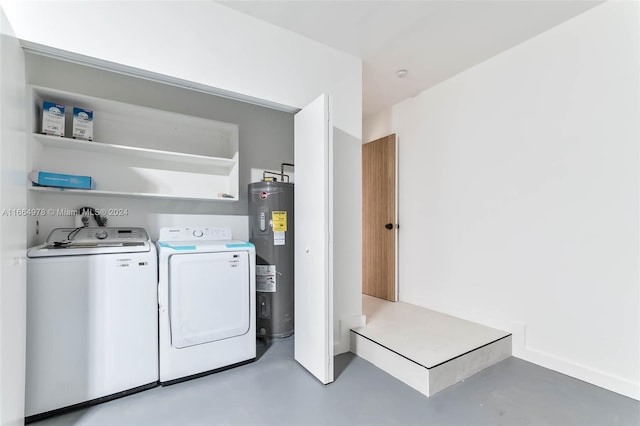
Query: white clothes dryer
x=92, y=319
x=206, y=302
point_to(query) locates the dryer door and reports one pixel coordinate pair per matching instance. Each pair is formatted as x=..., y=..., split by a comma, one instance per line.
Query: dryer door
x=208, y=297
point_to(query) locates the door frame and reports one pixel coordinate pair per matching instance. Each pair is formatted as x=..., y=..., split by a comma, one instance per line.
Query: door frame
x=396, y=228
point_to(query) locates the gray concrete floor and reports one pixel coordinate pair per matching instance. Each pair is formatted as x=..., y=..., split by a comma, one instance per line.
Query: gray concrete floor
x=275, y=390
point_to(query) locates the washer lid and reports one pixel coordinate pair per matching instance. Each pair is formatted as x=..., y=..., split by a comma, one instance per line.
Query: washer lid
x=79, y=250
x=90, y=240
x=97, y=236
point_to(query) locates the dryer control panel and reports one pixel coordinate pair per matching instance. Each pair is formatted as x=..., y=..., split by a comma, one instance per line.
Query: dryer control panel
x=195, y=234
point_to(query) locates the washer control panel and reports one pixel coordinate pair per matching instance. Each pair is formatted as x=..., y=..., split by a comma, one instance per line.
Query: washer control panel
x=100, y=235
x=195, y=234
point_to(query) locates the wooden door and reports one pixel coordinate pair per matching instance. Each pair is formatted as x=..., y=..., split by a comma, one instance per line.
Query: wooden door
x=379, y=223
x=313, y=199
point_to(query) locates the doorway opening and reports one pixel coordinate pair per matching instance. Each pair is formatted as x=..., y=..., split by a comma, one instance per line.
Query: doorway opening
x=379, y=218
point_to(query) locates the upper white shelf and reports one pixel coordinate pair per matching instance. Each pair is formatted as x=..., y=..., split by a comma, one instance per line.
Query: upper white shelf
x=106, y=148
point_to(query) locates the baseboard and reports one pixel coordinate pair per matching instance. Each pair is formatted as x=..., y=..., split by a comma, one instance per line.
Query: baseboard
x=581, y=372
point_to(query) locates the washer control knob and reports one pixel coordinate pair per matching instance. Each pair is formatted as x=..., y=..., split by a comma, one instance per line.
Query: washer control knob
x=198, y=233
x=101, y=235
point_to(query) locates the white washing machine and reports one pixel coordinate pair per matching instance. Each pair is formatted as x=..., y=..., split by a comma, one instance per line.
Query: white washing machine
x=206, y=295
x=92, y=321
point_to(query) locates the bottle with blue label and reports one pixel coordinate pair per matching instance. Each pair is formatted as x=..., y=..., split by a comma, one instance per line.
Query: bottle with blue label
x=82, y=124
x=52, y=119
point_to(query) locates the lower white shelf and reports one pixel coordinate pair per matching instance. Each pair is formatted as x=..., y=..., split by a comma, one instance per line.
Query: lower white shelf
x=127, y=194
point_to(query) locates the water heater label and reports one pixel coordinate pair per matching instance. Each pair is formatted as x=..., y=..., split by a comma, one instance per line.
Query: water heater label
x=266, y=278
x=279, y=238
x=279, y=219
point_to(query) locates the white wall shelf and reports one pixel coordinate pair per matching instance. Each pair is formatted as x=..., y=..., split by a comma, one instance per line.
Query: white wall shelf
x=138, y=151
x=106, y=148
x=94, y=192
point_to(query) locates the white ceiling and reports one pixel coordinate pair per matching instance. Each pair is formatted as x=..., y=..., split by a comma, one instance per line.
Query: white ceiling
x=433, y=40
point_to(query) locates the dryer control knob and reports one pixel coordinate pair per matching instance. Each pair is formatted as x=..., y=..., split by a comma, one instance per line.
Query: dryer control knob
x=101, y=235
x=198, y=233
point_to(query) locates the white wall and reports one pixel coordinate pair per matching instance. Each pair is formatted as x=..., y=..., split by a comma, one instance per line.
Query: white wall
x=377, y=125
x=203, y=42
x=210, y=45
x=347, y=237
x=12, y=228
x=519, y=197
